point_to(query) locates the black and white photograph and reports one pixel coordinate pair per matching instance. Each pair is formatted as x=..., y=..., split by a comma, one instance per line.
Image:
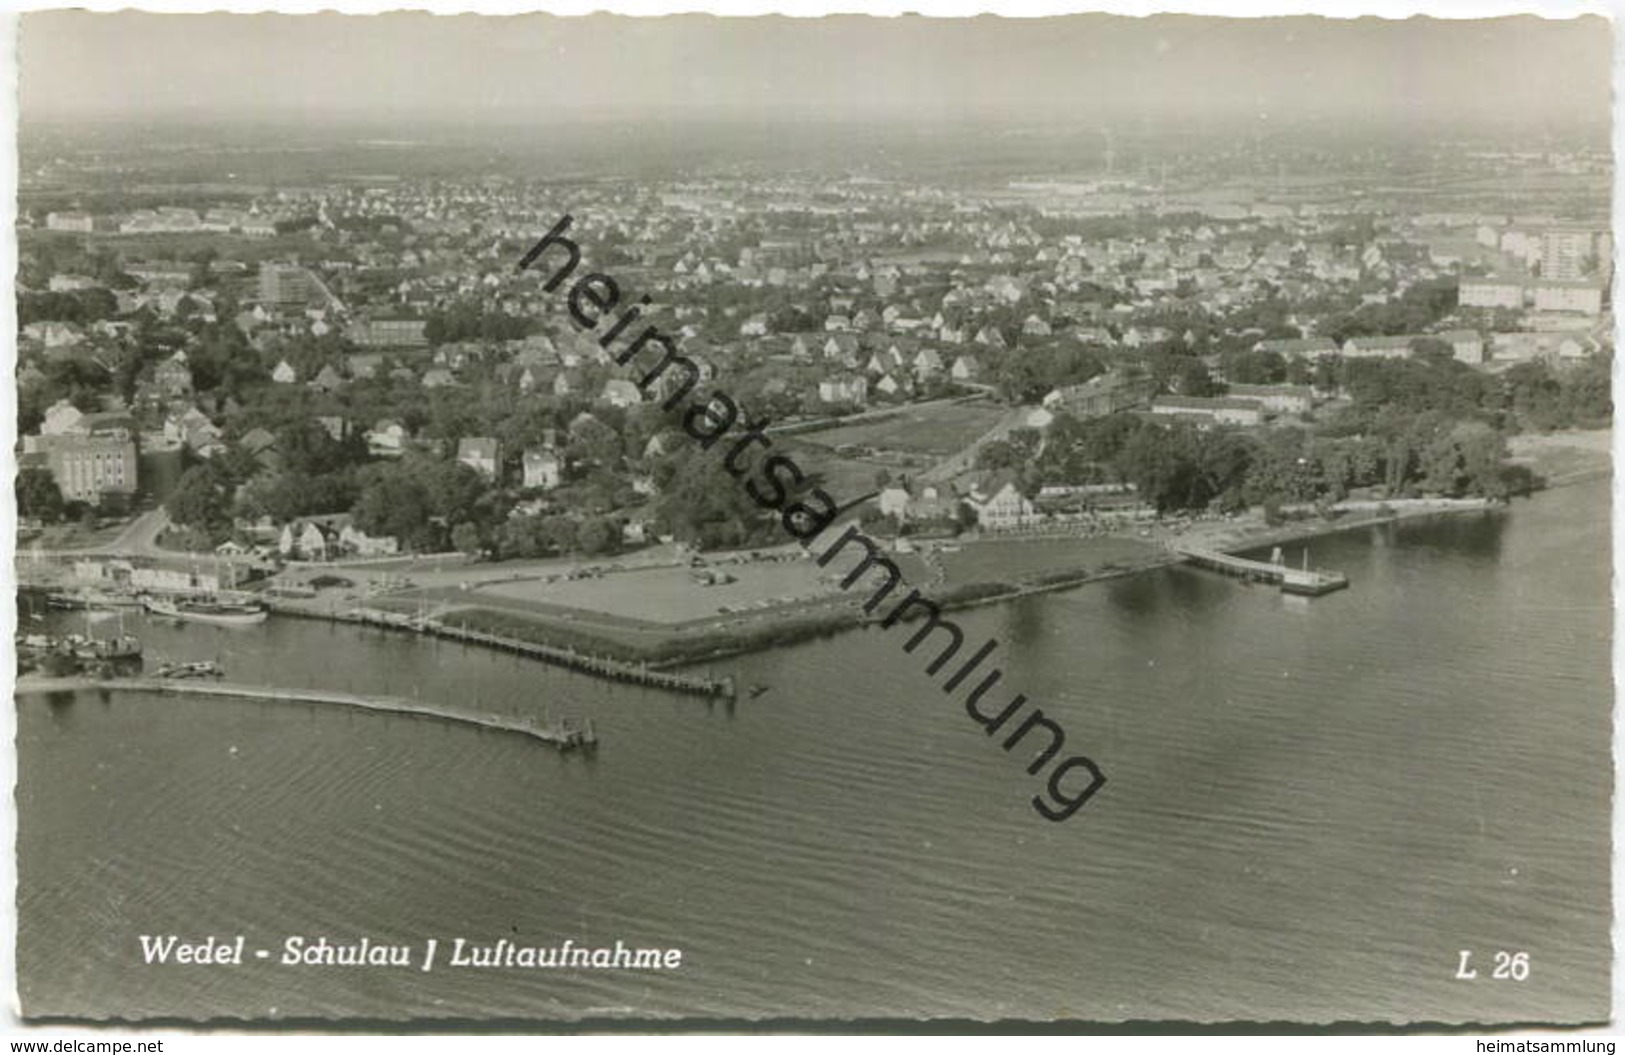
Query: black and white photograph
x=604, y=521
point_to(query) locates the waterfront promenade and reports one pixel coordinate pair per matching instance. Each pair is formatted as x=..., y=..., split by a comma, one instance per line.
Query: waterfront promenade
x=562, y=734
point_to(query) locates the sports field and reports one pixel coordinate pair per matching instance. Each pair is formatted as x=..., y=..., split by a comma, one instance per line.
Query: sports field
x=938, y=429
x=671, y=595
x=1015, y=561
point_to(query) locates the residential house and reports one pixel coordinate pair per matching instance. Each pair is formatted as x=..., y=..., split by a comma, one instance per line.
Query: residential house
x=842, y=348
x=850, y=389
x=305, y=540
x=619, y=392
x=71, y=220
x=1278, y=399
x=353, y=540
x=1298, y=347
x=543, y=468
x=193, y=428
x=1378, y=347
x=172, y=377
x=568, y=382
x=927, y=364
x=259, y=443
x=965, y=368
x=999, y=505
x=387, y=439
x=1490, y=293
x=54, y=334
x=1552, y=348
x=483, y=454
x=163, y=579
x=327, y=379
x=1218, y=410
x=1467, y=346
x=925, y=502
x=389, y=333
x=1579, y=296
x=1099, y=396
x=62, y=418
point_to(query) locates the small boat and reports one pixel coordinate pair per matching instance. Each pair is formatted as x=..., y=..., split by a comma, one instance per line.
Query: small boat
x=208, y=610
x=125, y=646
x=81, y=646
x=205, y=668
x=571, y=735
x=757, y=689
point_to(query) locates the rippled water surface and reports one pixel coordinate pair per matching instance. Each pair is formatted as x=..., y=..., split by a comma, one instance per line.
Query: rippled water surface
x=1312, y=808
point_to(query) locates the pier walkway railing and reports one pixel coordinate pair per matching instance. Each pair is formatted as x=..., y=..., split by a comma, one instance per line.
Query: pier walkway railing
x=569, y=658
x=1293, y=580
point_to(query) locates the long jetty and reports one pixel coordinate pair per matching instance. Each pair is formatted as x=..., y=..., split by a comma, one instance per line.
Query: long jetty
x=599, y=666
x=564, y=735
x=1291, y=580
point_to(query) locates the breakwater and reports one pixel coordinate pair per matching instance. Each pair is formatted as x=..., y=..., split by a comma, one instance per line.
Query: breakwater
x=562, y=734
x=582, y=662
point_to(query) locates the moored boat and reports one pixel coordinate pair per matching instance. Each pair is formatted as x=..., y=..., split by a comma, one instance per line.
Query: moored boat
x=207, y=610
x=91, y=598
x=124, y=646
x=109, y=599
x=200, y=669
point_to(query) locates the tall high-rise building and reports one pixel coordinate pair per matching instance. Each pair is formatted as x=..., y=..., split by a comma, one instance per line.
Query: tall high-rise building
x=89, y=467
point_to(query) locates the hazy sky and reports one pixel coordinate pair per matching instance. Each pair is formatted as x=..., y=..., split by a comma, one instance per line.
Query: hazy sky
x=537, y=66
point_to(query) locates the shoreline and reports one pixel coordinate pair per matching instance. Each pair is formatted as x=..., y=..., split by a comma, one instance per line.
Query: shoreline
x=656, y=647
x=824, y=618
x=1311, y=528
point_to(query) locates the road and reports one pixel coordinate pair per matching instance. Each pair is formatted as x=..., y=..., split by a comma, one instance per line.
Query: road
x=141, y=537
x=138, y=539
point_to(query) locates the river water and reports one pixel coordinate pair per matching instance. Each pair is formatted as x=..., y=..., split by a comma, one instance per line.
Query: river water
x=1313, y=807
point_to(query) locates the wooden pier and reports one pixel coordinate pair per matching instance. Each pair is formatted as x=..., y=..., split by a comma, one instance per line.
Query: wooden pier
x=1306, y=581
x=564, y=734
x=569, y=658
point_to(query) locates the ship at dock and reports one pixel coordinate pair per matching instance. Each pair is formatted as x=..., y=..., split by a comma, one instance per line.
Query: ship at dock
x=91, y=599
x=219, y=611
